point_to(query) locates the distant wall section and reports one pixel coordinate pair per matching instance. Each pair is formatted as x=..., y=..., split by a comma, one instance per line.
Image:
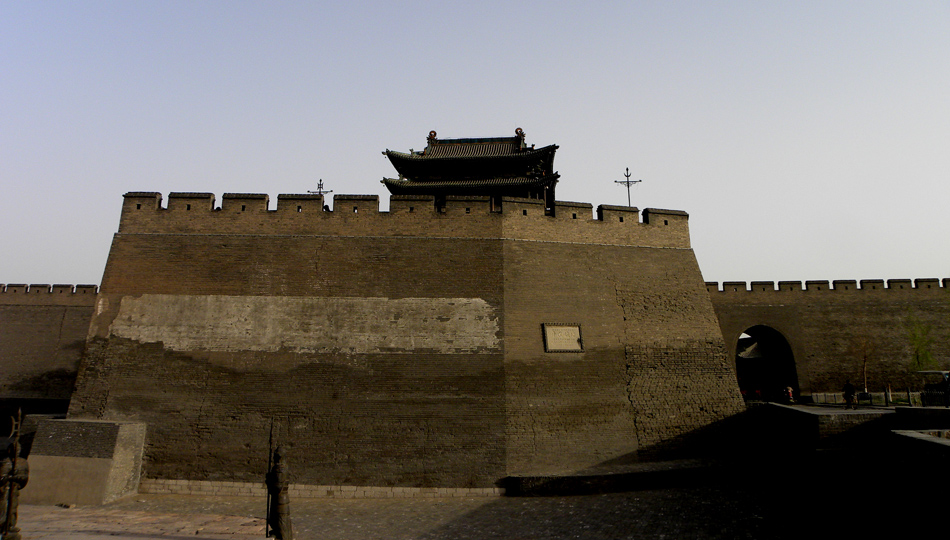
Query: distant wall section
x=830, y=324
x=42, y=333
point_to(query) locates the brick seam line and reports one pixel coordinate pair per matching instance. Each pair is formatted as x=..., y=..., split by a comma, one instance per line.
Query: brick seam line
x=407, y=238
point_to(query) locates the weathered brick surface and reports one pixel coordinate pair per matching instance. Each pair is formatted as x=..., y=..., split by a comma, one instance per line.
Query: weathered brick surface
x=826, y=324
x=211, y=327
x=653, y=366
x=42, y=332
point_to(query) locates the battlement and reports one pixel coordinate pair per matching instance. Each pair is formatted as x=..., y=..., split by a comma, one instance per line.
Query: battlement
x=838, y=286
x=43, y=294
x=408, y=215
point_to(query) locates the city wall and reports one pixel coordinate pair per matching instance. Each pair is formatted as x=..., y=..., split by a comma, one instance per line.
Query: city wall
x=401, y=348
x=406, y=348
x=42, y=333
x=829, y=326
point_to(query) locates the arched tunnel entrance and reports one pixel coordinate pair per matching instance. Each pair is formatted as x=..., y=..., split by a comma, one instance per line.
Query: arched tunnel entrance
x=765, y=365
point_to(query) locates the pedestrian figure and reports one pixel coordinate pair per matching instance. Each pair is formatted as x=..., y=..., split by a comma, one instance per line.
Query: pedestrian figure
x=14, y=474
x=278, y=511
x=848, y=392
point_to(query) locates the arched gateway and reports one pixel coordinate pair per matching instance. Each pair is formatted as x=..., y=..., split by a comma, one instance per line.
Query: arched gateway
x=765, y=365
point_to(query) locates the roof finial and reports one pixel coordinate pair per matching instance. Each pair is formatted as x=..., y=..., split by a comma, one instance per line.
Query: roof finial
x=519, y=132
x=431, y=136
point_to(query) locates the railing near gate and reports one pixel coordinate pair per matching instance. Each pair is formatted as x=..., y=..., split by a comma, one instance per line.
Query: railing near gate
x=906, y=398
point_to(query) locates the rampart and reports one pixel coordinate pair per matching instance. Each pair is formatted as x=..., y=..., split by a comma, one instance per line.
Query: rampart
x=832, y=326
x=359, y=215
x=42, y=333
x=430, y=345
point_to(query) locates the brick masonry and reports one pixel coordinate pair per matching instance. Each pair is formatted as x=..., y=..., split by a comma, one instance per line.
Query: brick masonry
x=305, y=491
x=398, y=349
x=826, y=323
x=42, y=334
x=404, y=349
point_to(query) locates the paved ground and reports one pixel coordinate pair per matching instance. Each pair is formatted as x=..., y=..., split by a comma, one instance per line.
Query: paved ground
x=700, y=512
x=770, y=492
x=775, y=501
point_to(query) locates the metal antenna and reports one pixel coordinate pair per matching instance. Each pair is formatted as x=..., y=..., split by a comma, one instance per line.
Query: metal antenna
x=320, y=190
x=628, y=182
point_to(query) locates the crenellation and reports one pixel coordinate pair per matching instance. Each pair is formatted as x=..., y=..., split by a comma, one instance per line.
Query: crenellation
x=872, y=284
x=734, y=286
x=926, y=283
x=838, y=285
x=664, y=217
x=899, y=284
x=356, y=204
x=568, y=210
x=141, y=200
x=409, y=215
x=35, y=289
x=514, y=206
x=618, y=214
x=244, y=202
x=190, y=201
x=305, y=203
x=845, y=284
x=18, y=294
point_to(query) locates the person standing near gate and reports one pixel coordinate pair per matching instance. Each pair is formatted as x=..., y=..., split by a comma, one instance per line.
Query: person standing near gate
x=848, y=392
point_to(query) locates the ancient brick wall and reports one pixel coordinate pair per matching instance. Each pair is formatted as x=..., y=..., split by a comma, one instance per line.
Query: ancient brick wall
x=42, y=332
x=395, y=348
x=830, y=325
x=652, y=366
x=332, y=343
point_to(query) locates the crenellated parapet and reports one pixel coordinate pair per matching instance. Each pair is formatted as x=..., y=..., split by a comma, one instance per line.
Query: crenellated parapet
x=408, y=215
x=838, y=286
x=49, y=295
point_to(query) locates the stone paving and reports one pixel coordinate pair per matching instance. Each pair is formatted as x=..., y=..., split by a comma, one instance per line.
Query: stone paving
x=700, y=512
x=765, y=500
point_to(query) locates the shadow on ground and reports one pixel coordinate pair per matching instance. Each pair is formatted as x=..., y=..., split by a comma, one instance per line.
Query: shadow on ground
x=770, y=472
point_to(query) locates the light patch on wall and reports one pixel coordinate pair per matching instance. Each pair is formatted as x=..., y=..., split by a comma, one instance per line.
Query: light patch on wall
x=309, y=325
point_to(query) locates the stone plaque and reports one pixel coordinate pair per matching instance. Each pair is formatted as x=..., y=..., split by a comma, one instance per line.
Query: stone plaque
x=562, y=337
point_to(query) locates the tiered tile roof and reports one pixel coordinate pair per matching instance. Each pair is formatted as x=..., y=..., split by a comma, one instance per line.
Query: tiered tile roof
x=486, y=166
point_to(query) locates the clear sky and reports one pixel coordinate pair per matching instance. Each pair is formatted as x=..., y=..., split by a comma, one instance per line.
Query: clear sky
x=807, y=140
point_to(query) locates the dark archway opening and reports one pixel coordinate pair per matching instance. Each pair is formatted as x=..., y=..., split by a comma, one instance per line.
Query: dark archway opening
x=765, y=365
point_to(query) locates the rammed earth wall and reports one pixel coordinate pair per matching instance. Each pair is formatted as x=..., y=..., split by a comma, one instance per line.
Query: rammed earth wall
x=400, y=348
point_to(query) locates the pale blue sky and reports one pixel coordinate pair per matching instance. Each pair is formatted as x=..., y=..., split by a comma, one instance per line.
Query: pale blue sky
x=807, y=140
